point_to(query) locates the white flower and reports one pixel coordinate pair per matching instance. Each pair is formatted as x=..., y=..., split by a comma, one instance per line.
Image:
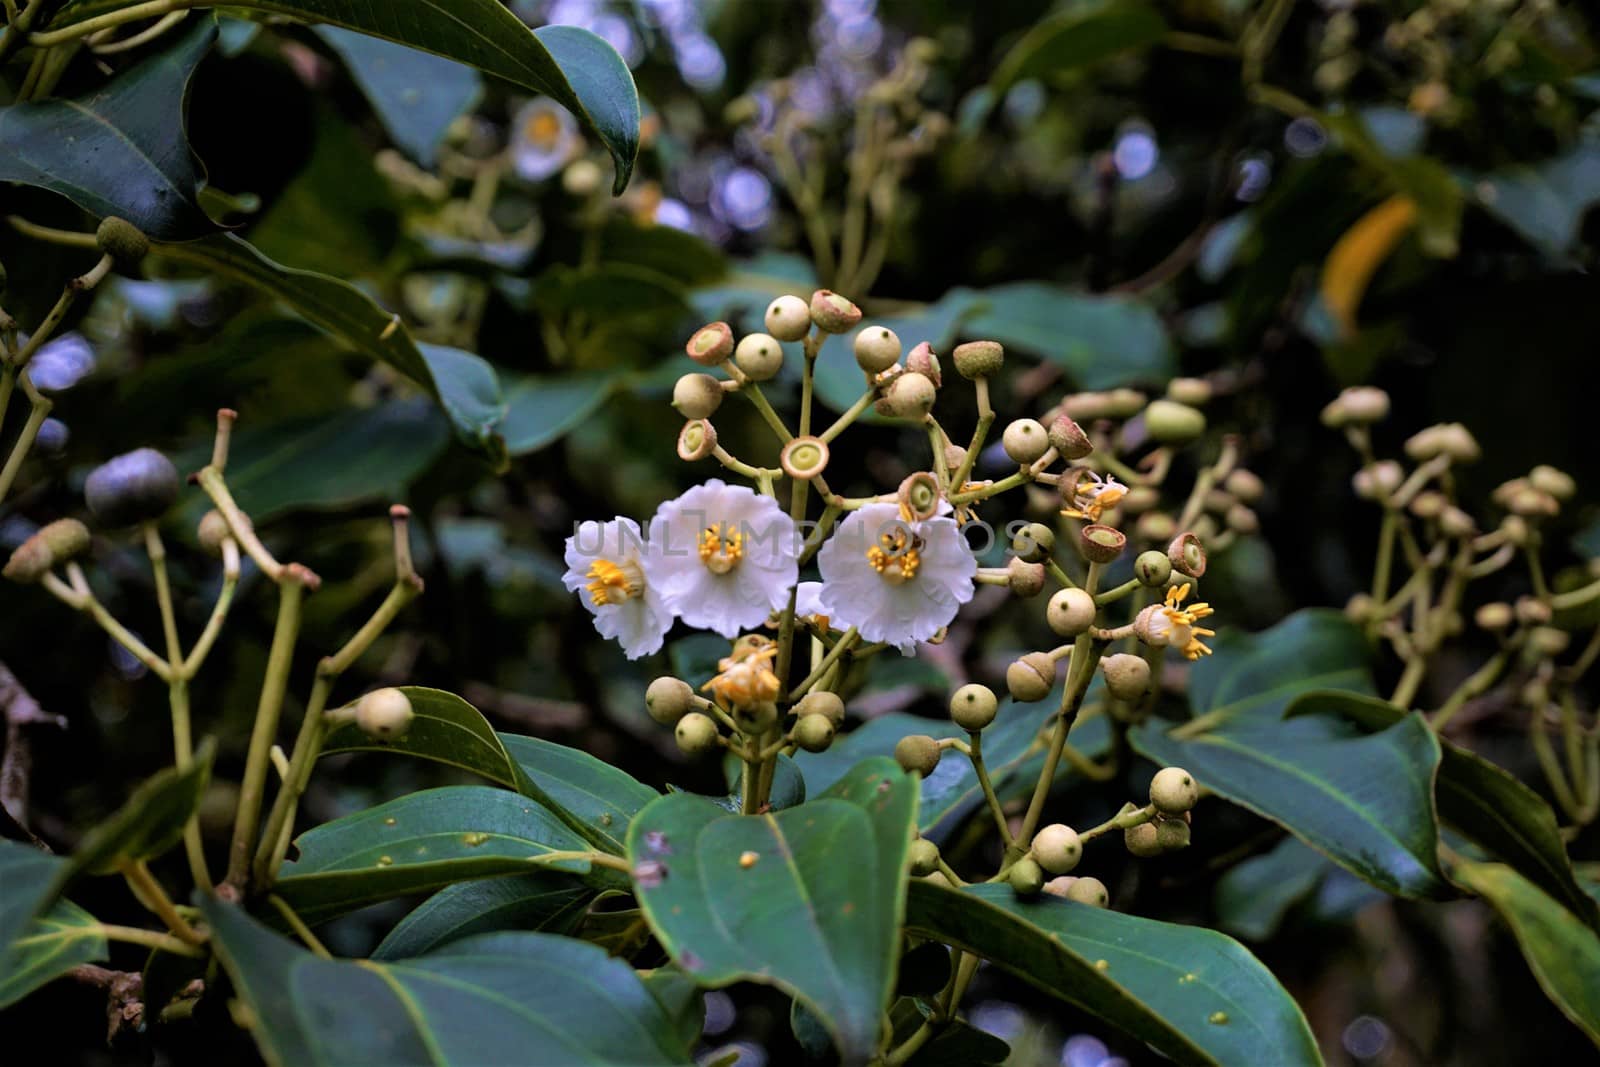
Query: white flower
x=895, y=581
x=607, y=564
x=724, y=557
x=543, y=137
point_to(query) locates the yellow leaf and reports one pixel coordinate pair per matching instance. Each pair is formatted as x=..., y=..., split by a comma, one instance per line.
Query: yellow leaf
x=1357, y=255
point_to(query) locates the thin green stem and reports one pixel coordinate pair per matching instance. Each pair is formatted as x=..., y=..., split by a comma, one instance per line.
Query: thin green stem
x=1475, y=684
x=133, y=935
x=843, y=645
x=154, y=895
x=851, y=414
x=298, y=925
x=975, y=753
x=30, y=431
x=759, y=399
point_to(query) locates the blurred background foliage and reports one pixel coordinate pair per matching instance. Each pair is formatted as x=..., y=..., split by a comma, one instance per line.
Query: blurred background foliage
x=1118, y=191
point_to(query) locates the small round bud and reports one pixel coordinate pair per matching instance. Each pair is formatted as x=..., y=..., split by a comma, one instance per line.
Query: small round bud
x=582, y=178
x=979, y=359
x=954, y=457
x=135, y=487
x=695, y=733
x=1457, y=442
x=1025, y=441
x=1531, y=503
x=1242, y=520
x=1548, y=641
x=1193, y=392
x=1068, y=439
x=1141, y=840
x=384, y=714
x=1187, y=555
x=1127, y=675
x=1532, y=611
x=910, y=396
x=697, y=396
x=1359, y=608
x=213, y=531
x=804, y=458
x=917, y=754
x=877, y=349
x=1453, y=522
x=1557, y=483
x=1124, y=403
x=1099, y=543
x=1517, y=530
x=1034, y=542
x=668, y=699
x=1070, y=612
x=1057, y=848
x=922, y=857
x=1153, y=569
x=1026, y=877
x=756, y=717
x=821, y=702
x=788, y=318
x=1172, y=834
x=1155, y=526
x=711, y=345
x=122, y=241
x=973, y=707
x=919, y=496
x=1091, y=891
x=1172, y=423
x=1376, y=481
x=1364, y=404
x=833, y=313
x=923, y=361
x=1057, y=887
x=1246, y=485
x=1173, y=790
x=50, y=546
x=760, y=356
x=1023, y=578
x=1429, y=504
x=1031, y=678
x=814, y=733
x=1493, y=616
x=697, y=440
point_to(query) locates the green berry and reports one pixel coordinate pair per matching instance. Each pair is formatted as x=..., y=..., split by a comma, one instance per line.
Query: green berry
x=1091, y=891
x=917, y=753
x=668, y=700
x=973, y=707
x=697, y=396
x=1141, y=840
x=1070, y=612
x=877, y=348
x=122, y=241
x=788, y=318
x=1057, y=848
x=695, y=733
x=1127, y=675
x=1172, y=834
x=923, y=857
x=1031, y=678
x=1174, y=791
x=821, y=702
x=1152, y=568
x=1026, y=877
x=979, y=359
x=1025, y=441
x=384, y=714
x=759, y=356
x=814, y=733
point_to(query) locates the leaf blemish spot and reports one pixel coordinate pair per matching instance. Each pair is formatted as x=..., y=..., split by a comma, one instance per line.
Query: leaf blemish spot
x=474, y=839
x=649, y=874
x=1217, y=1017
x=656, y=841
x=390, y=821
x=384, y=861
x=748, y=859
x=605, y=818
x=1102, y=965
x=849, y=908
x=1186, y=979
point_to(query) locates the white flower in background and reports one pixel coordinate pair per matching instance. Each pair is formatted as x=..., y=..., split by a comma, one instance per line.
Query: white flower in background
x=808, y=601
x=724, y=557
x=895, y=581
x=606, y=564
x=544, y=136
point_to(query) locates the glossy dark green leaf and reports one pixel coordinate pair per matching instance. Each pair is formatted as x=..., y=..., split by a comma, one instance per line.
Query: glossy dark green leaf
x=1545, y=202
x=1563, y=953
x=1253, y=677
x=1100, y=341
x=614, y=290
x=542, y=409
x=548, y=902
x=1252, y=898
x=788, y=784
x=49, y=947
x=446, y=730
x=33, y=880
x=151, y=820
x=956, y=1044
x=464, y=385
x=682, y=1000
x=572, y=66
x=689, y=259
x=421, y=842
x=494, y=998
x=1080, y=36
x=1481, y=800
x=416, y=94
x=833, y=868
x=596, y=799
x=1194, y=994
x=120, y=150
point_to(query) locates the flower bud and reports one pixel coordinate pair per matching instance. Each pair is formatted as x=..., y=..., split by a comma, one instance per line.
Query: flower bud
x=954, y=457
x=1453, y=522
x=910, y=396
x=919, y=496
x=973, y=707
x=833, y=313
x=697, y=440
x=711, y=345
x=788, y=318
x=1364, y=404
x=1449, y=439
x=821, y=702
x=804, y=458
x=1058, y=887
x=1192, y=392
x=1531, y=503
x=814, y=733
x=1172, y=423
x=1153, y=569
x=1557, y=483
x=1099, y=543
x=1187, y=555
x=1377, y=480
x=1026, y=877
x=1360, y=608
x=1024, y=579
x=697, y=396
x=1031, y=678
x=384, y=714
x=1517, y=530
x=1070, y=612
x=1493, y=616
x=922, y=857
x=1057, y=848
x=668, y=699
x=979, y=359
x=1173, y=791
x=1091, y=891
x=1141, y=840
x=582, y=178
x=924, y=362
x=1548, y=641
x=1244, y=484
x=213, y=531
x=1127, y=675
x=877, y=349
x=1172, y=834
x=756, y=717
x=137, y=486
x=917, y=754
x=50, y=545
x=1155, y=526
x=123, y=242
x=759, y=356
x=1025, y=441
x=1241, y=520
x=695, y=733
x=1068, y=439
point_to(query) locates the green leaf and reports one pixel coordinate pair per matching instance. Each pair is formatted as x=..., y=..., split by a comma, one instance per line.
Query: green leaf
x=572, y=66
x=446, y=730
x=415, y=94
x=464, y=385
x=1481, y=800
x=833, y=868
x=597, y=800
x=682, y=1000
x=49, y=947
x=612, y=290
x=1253, y=897
x=1544, y=202
x=1100, y=341
x=500, y=998
x=546, y=901
x=33, y=880
x=540, y=410
x=122, y=149
x=1194, y=994
x=788, y=784
x=681, y=255
x=955, y=1045
x=1254, y=677
x=151, y=820
x=1078, y=37
x=1563, y=953
x=421, y=842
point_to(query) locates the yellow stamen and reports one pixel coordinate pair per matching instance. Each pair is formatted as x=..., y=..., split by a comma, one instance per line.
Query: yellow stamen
x=898, y=559
x=719, y=551
x=746, y=678
x=543, y=129
x=613, y=583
